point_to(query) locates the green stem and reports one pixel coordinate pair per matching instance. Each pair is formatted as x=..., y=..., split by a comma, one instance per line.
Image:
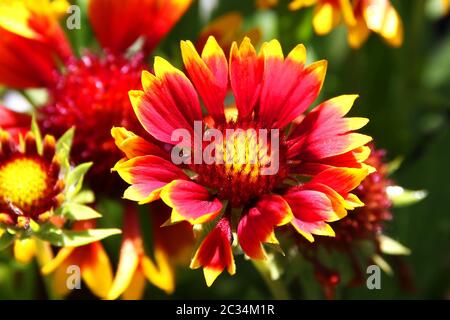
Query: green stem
x=276, y=287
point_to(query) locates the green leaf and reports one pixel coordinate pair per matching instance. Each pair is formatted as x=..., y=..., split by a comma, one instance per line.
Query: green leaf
x=84, y=197
x=6, y=239
x=401, y=197
x=78, y=212
x=37, y=134
x=392, y=247
x=75, y=179
x=66, y=238
x=64, y=145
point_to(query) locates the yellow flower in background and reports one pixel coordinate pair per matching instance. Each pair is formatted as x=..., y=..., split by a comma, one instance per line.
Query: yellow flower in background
x=328, y=14
x=377, y=16
x=360, y=16
x=21, y=17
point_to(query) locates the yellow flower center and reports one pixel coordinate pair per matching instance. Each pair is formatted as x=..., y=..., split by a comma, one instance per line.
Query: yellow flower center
x=23, y=182
x=247, y=163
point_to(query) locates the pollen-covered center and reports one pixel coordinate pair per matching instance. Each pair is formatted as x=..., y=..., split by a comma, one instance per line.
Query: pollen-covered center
x=23, y=183
x=242, y=162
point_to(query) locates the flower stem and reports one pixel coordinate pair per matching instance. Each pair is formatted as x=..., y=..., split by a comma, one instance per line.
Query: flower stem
x=276, y=287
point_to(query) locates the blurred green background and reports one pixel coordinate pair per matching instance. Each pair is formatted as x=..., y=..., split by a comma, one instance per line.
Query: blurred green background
x=406, y=94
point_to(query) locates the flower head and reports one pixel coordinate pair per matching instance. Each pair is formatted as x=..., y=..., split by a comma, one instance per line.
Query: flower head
x=364, y=225
x=277, y=166
x=30, y=186
x=40, y=193
x=360, y=16
x=93, y=88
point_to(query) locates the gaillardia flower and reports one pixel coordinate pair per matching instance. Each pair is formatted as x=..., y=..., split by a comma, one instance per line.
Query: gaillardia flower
x=360, y=233
x=38, y=186
x=278, y=166
x=360, y=16
x=35, y=52
x=30, y=184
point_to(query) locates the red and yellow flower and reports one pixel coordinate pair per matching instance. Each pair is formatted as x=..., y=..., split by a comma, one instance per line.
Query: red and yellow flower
x=363, y=226
x=30, y=184
x=360, y=16
x=321, y=158
x=34, y=52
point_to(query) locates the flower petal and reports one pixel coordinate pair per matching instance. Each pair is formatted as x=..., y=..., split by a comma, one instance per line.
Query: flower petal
x=135, y=290
x=288, y=87
x=24, y=250
x=342, y=180
x=209, y=73
x=147, y=176
x=135, y=146
x=246, y=71
x=215, y=254
x=168, y=102
x=190, y=202
x=161, y=273
x=325, y=132
x=326, y=17
x=118, y=24
x=96, y=269
x=257, y=226
x=131, y=251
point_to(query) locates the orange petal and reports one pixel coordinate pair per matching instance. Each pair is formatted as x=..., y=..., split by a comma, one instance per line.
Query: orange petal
x=96, y=269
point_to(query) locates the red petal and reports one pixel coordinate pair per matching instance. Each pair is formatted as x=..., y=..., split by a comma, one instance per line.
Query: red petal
x=246, y=76
x=13, y=122
x=118, y=24
x=325, y=133
x=169, y=102
x=215, y=254
x=288, y=88
x=209, y=73
x=147, y=176
x=190, y=202
x=257, y=226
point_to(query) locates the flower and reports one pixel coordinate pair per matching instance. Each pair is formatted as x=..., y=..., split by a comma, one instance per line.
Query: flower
x=320, y=156
x=30, y=184
x=135, y=266
x=40, y=193
x=91, y=260
x=34, y=52
x=93, y=88
x=364, y=225
x=360, y=16
x=377, y=16
x=32, y=43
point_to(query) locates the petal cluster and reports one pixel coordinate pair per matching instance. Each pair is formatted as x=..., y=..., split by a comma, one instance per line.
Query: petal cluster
x=322, y=157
